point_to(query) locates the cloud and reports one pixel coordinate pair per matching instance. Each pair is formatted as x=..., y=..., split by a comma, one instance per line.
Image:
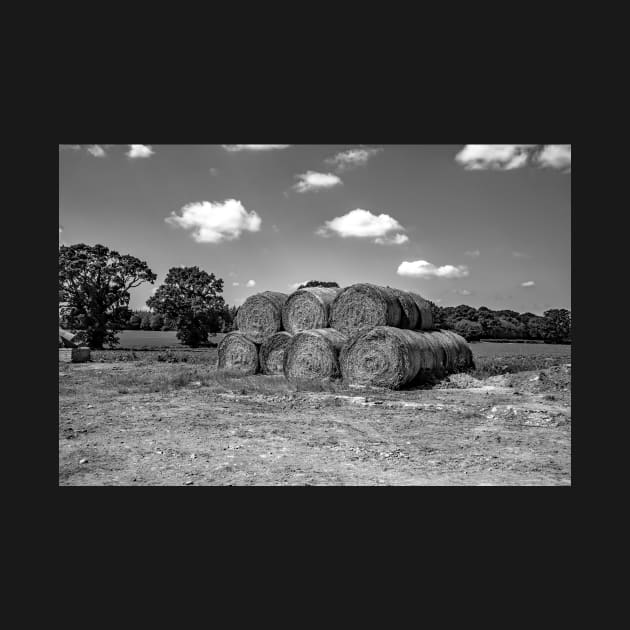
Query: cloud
x=71, y=147
x=529, y=283
x=214, y=222
x=363, y=224
x=351, y=158
x=254, y=147
x=236, y=284
x=425, y=269
x=462, y=291
x=473, y=254
x=214, y=171
x=494, y=156
x=312, y=180
x=250, y=283
x=140, y=151
x=555, y=156
x=96, y=150
x=295, y=285
x=60, y=229
x=520, y=255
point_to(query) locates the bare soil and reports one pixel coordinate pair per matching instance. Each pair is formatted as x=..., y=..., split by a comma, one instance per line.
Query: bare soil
x=149, y=423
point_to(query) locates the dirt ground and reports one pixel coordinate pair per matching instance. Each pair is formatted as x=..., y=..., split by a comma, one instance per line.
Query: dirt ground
x=513, y=429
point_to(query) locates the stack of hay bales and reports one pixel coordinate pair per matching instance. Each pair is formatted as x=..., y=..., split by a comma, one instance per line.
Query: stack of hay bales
x=367, y=334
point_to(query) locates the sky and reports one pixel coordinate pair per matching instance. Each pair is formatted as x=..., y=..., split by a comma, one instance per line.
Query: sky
x=483, y=225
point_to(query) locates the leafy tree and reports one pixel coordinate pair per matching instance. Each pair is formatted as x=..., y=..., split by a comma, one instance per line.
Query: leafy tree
x=559, y=322
x=95, y=282
x=145, y=320
x=134, y=322
x=317, y=283
x=439, y=321
x=156, y=321
x=468, y=329
x=190, y=297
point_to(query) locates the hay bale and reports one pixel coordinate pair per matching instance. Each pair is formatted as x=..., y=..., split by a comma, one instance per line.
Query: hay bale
x=410, y=315
x=465, y=360
x=425, y=319
x=260, y=316
x=272, y=352
x=314, y=354
x=364, y=306
x=308, y=308
x=67, y=339
x=65, y=355
x=452, y=349
x=238, y=352
x=388, y=357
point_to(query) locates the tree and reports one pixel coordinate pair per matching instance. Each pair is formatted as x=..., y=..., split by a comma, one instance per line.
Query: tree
x=134, y=322
x=95, y=282
x=559, y=322
x=190, y=297
x=468, y=329
x=156, y=321
x=437, y=313
x=317, y=283
x=145, y=320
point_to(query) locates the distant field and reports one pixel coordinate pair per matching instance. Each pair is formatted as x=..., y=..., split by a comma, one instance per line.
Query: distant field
x=489, y=349
x=158, y=339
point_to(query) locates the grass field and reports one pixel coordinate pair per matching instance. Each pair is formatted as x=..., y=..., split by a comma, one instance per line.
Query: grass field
x=146, y=339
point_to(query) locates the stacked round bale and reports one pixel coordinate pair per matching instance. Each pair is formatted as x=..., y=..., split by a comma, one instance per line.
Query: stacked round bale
x=366, y=333
x=258, y=343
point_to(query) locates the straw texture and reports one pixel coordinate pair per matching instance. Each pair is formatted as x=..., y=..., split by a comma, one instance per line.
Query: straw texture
x=364, y=306
x=260, y=316
x=314, y=354
x=308, y=308
x=239, y=353
x=272, y=353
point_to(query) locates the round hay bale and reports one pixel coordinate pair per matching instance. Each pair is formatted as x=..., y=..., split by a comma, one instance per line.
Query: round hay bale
x=260, y=316
x=308, y=308
x=388, y=357
x=364, y=306
x=452, y=349
x=314, y=354
x=238, y=352
x=272, y=353
x=464, y=359
x=425, y=319
x=410, y=315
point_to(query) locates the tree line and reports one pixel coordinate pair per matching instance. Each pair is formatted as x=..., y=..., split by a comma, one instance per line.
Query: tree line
x=94, y=286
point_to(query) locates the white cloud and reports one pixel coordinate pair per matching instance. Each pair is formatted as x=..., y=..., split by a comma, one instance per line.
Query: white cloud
x=555, y=156
x=520, y=255
x=363, y=224
x=462, y=292
x=214, y=222
x=254, y=147
x=250, y=283
x=529, y=283
x=312, y=180
x=351, y=158
x=396, y=239
x=96, y=150
x=475, y=253
x=425, y=269
x=140, y=151
x=494, y=156
x=60, y=229
x=236, y=284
